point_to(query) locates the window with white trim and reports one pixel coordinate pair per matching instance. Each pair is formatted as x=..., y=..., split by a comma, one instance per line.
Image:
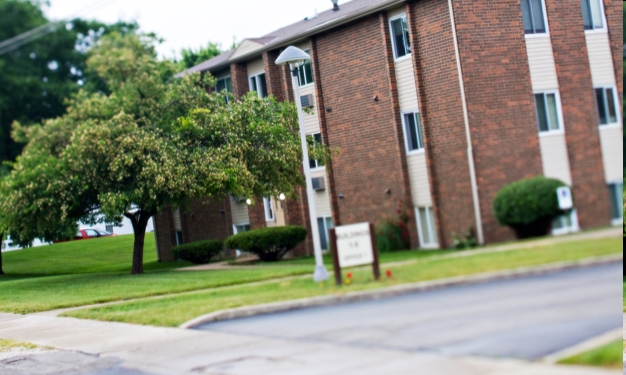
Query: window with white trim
x=426, y=227
x=548, y=110
x=257, y=83
x=224, y=83
x=317, y=140
x=240, y=228
x=305, y=72
x=617, y=202
x=565, y=223
x=414, y=139
x=269, y=208
x=606, y=105
x=593, y=14
x=533, y=16
x=399, y=29
x=324, y=224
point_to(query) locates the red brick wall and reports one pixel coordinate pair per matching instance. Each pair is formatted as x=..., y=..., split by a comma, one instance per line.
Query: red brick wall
x=165, y=234
x=352, y=68
x=613, y=11
x=239, y=79
x=579, y=112
x=273, y=75
x=500, y=100
x=442, y=118
x=207, y=219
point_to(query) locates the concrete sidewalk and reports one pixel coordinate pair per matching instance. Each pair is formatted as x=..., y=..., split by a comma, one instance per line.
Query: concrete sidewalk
x=157, y=350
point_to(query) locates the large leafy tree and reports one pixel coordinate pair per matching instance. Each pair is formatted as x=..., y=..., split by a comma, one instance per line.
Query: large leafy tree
x=152, y=141
x=192, y=57
x=36, y=78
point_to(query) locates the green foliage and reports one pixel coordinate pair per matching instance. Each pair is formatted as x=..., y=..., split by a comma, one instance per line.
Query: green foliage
x=192, y=57
x=466, y=241
x=199, y=252
x=37, y=77
x=527, y=204
x=151, y=142
x=392, y=233
x=270, y=244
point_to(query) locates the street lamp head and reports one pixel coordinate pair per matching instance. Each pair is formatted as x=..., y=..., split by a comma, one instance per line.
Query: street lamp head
x=292, y=56
x=281, y=197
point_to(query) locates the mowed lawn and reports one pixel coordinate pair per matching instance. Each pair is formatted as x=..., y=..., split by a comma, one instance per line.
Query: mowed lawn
x=177, y=309
x=609, y=355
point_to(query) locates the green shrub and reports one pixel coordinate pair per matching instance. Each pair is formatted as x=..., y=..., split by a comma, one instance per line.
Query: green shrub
x=199, y=252
x=392, y=233
x=270, y=244
x=528, y=206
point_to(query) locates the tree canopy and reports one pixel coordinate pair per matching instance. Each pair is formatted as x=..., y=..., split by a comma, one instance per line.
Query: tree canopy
x=151, y=141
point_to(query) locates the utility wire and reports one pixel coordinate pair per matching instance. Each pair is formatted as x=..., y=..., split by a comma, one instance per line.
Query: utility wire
x=47, y=28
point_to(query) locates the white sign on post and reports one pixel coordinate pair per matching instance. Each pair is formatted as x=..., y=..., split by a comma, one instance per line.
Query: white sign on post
x=354, y=245
x=564, y=195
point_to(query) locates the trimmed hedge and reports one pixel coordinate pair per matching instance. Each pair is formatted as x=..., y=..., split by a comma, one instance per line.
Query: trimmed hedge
x=270, y=244
x=199, y=252
x=528, y=206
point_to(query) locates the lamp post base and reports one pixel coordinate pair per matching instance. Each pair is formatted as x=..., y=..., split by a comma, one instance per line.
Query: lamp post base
x=320, y=274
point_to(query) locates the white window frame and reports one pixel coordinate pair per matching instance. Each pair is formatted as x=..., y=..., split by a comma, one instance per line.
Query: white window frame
x=406, y=136
x=617, y=220
x=545, y=20
x=430, y=225
x=602, y=29
x=618, y=108
x=393, y=41
x=268, y=208
x=559, y=113
x=257, y=80
x=572, y=228
x=317, y=165
x=310, y=62
x=235, y=225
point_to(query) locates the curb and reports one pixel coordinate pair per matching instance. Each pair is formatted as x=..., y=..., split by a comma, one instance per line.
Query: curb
x=592, y=343
x=274, y=307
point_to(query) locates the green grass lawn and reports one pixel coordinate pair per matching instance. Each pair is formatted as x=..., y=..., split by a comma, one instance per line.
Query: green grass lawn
x=174, y=310
x=609, y=355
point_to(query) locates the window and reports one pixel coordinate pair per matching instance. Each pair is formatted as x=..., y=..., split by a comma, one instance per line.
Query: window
x=426, y=227
x=324, y=224
x=269, y=209
x=617, y=204
x=257, y=83
x=566, y=223
x=305, y=72
x=240, y=228
x=413, y=132
x=91, y=233
x=533, y=17
x=317, y=140
x=592, y=14
x=179, y=237
x=224, y=84
x=548, y=117
x=606, y=106
x=400, y=36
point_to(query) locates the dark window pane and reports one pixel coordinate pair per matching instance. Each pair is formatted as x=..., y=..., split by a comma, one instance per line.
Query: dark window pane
x=397, y=34
x=420, y=137
x=309, y=72
x=221, y=85
x=527, y=17
x=253, y=84
x=615, y=193
x=539, y=23
x=301, y=78
x=553, y=117
x=584, y=5
x=407, y=42
x=229, y=84
x=542, y=118
x=411, y=133
x=610, y=104
x=263, y=88
x=600, y=104
x=322, y=229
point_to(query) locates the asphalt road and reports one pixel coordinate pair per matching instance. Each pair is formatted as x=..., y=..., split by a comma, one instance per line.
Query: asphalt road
x=527, y=317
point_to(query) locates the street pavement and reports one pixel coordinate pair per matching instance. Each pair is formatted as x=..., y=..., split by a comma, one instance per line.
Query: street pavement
x=463, y=330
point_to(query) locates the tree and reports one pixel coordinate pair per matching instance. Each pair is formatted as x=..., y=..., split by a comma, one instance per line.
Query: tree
x=36, y=78
x=191, y=57
x=153, y=141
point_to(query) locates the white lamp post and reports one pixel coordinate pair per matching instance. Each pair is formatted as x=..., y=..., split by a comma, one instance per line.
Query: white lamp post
x=294, y=57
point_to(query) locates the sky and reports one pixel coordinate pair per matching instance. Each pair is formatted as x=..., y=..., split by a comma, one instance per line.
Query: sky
x=193, y=23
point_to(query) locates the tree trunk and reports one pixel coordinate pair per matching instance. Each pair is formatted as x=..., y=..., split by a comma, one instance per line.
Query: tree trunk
x=139, y=219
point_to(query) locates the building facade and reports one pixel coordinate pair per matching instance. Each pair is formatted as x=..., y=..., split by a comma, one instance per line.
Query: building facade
x=437, y=104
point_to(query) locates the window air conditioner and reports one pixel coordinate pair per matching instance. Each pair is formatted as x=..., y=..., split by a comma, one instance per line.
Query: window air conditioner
x=318, y=183
x=306, y=101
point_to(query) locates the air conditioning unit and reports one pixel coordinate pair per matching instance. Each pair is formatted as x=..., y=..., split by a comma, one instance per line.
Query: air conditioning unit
x=319, y=183
x=306, y=101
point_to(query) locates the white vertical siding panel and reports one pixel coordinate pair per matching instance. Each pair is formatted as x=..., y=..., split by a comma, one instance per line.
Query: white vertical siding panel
x=405, y=78
x=418, y=177
x=554, y=157
x=600, y=59
x=541, y=63
x=322, y=199
x=176, y=219
x=310, y=122
x=612, y=153
x=239, y=212
x=255, y=67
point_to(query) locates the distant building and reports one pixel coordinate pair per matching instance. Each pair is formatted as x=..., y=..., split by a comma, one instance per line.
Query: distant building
x=438, y=103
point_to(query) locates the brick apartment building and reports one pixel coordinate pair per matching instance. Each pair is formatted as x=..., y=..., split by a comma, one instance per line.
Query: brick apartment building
x=438, y=103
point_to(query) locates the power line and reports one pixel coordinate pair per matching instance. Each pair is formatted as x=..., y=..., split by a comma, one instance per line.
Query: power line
x=45, y=29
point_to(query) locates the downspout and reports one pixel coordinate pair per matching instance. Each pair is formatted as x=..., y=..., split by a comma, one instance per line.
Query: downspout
x=470, y=151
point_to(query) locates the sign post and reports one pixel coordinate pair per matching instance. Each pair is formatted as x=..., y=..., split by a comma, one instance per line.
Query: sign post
x=353, y=245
